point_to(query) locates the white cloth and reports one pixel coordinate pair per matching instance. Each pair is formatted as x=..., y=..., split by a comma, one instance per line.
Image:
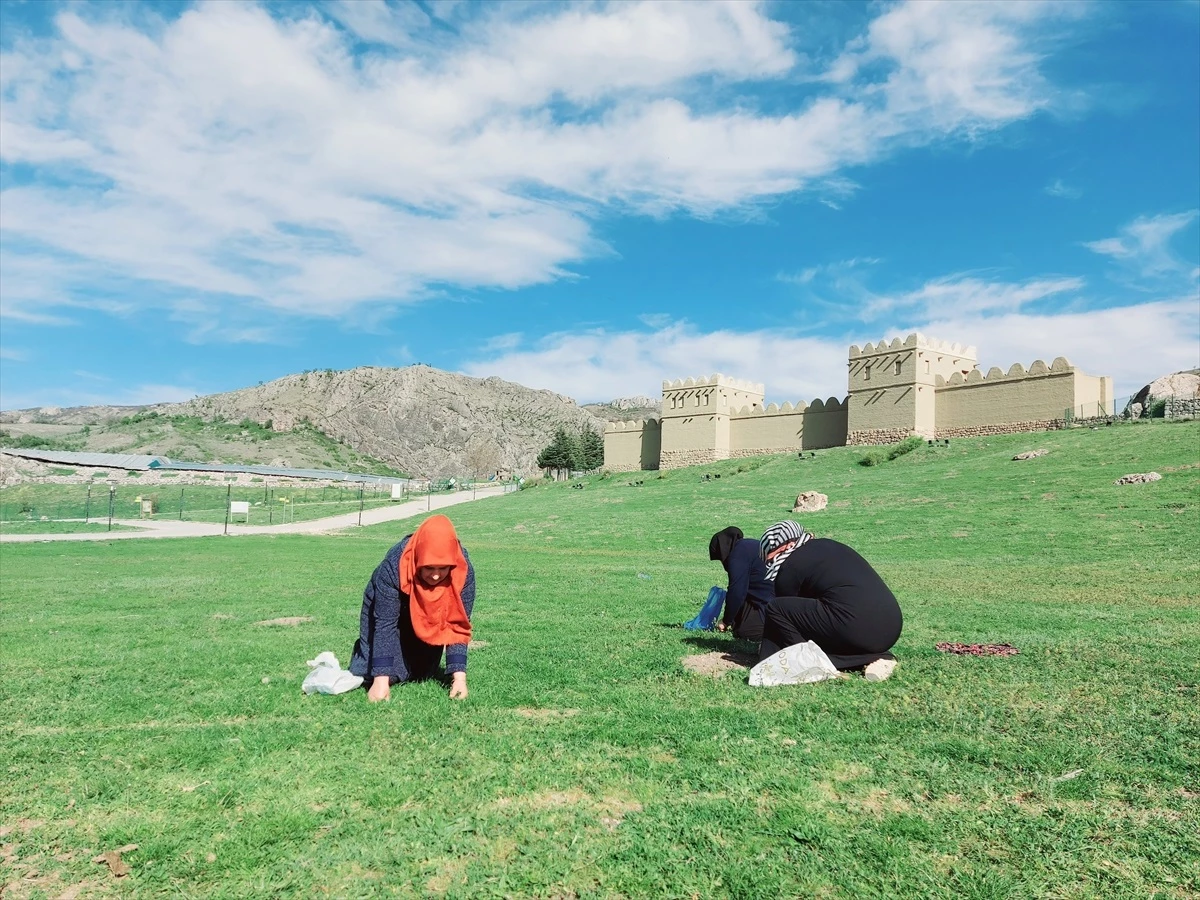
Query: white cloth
x=797, y=664
x=328, y=676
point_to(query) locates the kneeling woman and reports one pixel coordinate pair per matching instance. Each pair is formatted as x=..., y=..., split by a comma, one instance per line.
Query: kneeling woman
x=750, y=591
x=417, y=604
x=827, y=593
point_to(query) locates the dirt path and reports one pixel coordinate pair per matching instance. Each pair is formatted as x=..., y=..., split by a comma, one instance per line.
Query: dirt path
x=169, y=529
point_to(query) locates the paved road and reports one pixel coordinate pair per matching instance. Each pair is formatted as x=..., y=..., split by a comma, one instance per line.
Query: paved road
x=171, y=528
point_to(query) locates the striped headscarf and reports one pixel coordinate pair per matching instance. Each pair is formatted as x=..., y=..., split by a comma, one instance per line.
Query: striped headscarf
x=779, y=542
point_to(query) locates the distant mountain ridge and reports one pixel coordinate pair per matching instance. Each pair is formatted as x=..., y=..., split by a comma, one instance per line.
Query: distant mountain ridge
x=417, y=419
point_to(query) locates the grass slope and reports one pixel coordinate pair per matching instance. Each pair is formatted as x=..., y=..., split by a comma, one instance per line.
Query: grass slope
x=141, y=704
x=193, y=439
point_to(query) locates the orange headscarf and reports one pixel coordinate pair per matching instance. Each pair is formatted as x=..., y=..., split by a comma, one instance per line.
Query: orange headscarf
x=438, y=615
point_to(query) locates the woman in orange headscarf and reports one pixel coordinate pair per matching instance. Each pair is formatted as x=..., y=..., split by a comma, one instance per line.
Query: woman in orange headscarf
x=417, y=604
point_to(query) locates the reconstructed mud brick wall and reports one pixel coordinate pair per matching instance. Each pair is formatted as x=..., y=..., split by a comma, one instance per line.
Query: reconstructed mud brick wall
x=632, y=446
x=893, y=387
x=696, y=418
x=916, y=386
x=1019, y=400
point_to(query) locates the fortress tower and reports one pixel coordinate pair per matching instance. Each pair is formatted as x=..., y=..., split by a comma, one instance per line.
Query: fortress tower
x=892, y=386
x=695, y=417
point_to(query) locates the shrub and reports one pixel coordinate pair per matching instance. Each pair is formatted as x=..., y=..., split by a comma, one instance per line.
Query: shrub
x=874, y=457
x=908, y=445
x=1158, y=409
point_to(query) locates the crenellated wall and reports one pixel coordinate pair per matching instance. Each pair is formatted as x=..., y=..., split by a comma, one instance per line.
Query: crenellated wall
x=1020, y=399
x=632, y=446
x=892, y=386
x=696, y=418
x=896, y=388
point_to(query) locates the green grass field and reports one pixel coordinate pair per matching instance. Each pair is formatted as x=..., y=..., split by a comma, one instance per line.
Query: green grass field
x=34, y=526
x=141, y=704
x=270, y=504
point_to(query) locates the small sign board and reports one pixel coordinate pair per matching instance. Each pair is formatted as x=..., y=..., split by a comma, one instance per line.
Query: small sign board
x=147, y=508
x=397, y=492
x=239, y=507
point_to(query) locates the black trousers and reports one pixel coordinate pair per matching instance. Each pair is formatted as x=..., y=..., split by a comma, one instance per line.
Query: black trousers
x=849, y=642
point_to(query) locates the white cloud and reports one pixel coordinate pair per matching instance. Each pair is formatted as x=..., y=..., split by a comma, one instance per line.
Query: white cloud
x=1058, y=188
x=599, y=365
x=1133, y=344
x=12, y=354
x=655, y=320
x=1144, y=246
x=231, y=153
x=833, y=270
x=965, y=293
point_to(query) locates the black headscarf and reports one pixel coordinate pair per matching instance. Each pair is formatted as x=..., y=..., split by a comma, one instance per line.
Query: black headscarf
x=722, y=543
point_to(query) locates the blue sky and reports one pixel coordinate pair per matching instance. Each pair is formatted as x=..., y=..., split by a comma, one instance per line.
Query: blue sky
x=590, y=198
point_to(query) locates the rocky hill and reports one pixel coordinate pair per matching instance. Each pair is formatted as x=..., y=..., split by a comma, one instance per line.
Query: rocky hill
x=625, y=409
x=417, y=420
x=420, y=420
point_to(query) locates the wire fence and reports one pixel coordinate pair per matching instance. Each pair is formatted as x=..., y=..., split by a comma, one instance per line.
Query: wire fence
x=28, y=507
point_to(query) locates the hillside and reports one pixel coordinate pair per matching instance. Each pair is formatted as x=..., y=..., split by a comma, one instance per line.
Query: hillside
x=149, y=432
x=421, y=420
x=418, y=420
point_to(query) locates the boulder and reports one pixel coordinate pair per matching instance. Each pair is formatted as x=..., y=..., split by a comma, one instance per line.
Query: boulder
x=1183, y=385
x=810, y=501
x=1140, y=478
x=1031, y=454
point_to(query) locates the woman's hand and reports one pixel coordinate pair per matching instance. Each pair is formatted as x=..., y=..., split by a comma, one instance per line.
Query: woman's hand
x=380, y=689
x=458, y=686
x=720, y=626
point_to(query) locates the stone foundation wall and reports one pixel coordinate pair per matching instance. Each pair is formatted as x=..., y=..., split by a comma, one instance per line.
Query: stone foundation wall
x=1182, y=407
x=745, y=453
x=677, y=459
x=1008, y=428
x=621, y=467
x=876, y=436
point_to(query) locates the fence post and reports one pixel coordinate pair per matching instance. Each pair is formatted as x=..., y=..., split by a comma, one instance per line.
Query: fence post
x=87, y=507
x=181, y=504
x=360, y=503
x=112, y=491
x=228, y=490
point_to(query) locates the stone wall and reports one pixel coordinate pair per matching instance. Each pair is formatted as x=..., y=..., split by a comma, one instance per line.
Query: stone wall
x=870, y=436
x=677, y=459
x=1182, y=407
x=1008, y=428
x=897, y=388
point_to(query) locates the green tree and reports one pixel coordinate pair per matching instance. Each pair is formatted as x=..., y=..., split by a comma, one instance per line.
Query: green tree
x=592, y=445
x=558, y=453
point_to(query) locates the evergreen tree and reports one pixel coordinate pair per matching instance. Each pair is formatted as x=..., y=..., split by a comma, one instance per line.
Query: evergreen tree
x=558, y=454
x=593, y=449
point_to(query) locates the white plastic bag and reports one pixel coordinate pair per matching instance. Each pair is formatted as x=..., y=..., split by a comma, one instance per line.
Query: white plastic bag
x=797, y=664
x=328, y=676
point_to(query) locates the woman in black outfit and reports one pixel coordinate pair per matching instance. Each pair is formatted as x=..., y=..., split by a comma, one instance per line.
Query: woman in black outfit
x=827, y=593
x=750, y=591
